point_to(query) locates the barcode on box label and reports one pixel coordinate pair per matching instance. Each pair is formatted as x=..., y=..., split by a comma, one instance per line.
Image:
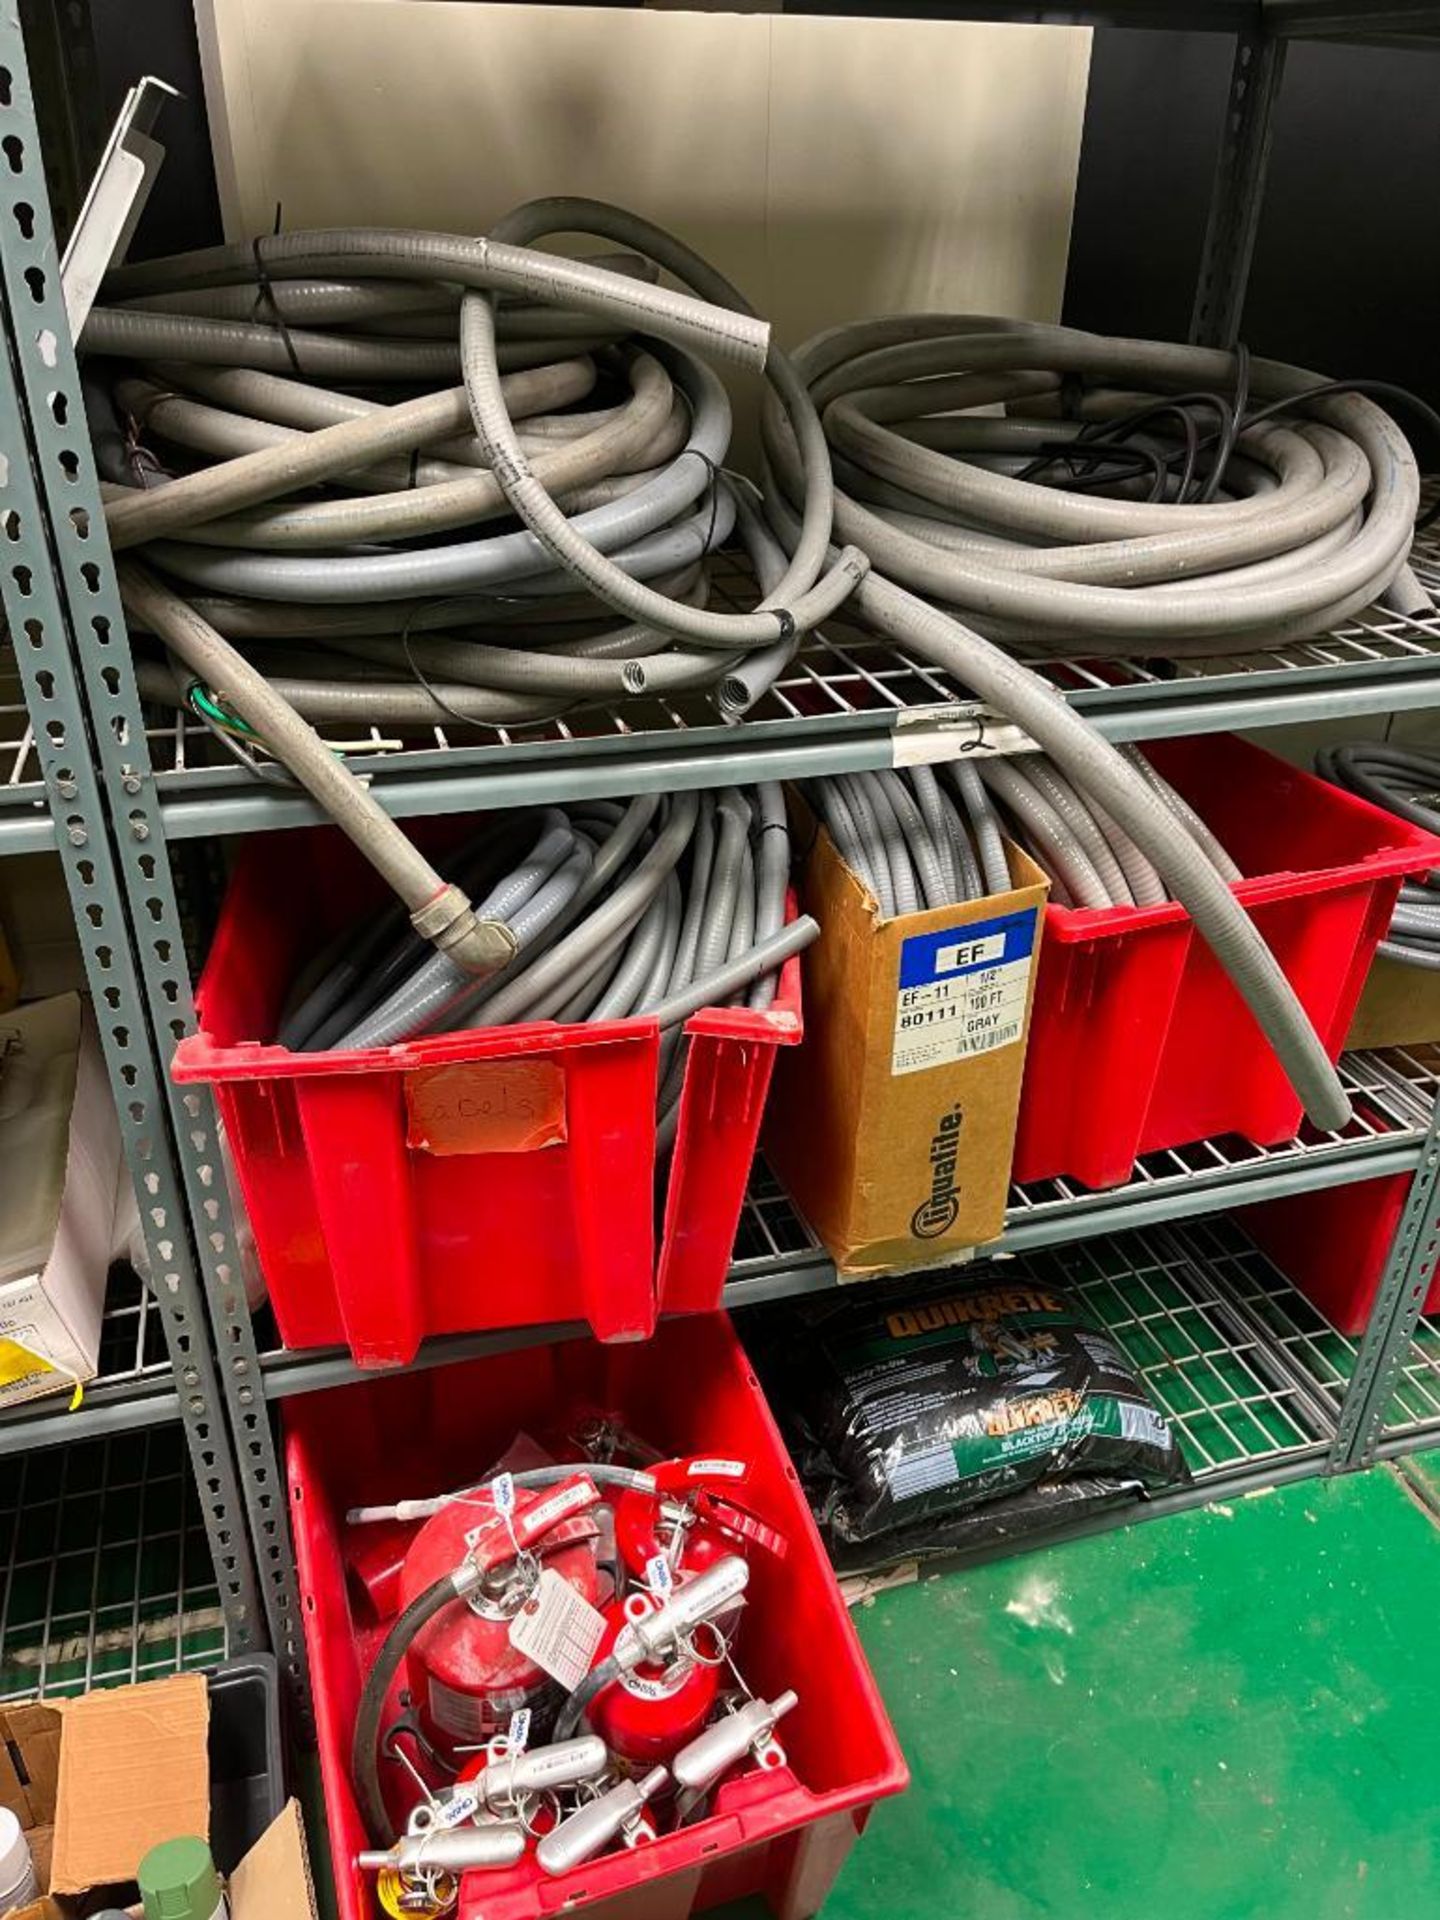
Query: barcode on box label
x=962, y=991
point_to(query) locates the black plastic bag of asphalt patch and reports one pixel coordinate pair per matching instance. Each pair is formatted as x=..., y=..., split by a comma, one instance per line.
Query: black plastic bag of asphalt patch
x=929, y=1399
x=1009, y=1520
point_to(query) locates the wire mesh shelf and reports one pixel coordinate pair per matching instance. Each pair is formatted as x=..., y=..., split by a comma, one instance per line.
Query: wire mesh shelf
x=1245, y=1370
x=774, y=1244
x=1317, y=1353
x=844, y=685
x=107, y=1574
x=778, y=1254
x=1234, y=1382
x=1415, y=1072
x=134, y=1384
x=1414, y=1412
x=24, y=808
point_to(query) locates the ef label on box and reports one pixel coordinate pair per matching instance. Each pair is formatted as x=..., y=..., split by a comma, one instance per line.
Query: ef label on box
x=962, y=991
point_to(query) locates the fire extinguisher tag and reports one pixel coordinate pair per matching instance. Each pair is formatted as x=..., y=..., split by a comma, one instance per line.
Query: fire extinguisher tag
x=659, y=1576
x=502, y=1492
x=559, y=1630
x=518, y=1738
x=463, y=1805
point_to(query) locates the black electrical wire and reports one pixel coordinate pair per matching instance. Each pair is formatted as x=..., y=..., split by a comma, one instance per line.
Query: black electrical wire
x=573, y=1713
x=365, y=1746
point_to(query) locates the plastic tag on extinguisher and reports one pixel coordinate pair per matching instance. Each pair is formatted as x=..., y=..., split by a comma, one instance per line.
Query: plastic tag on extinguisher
x=502, y=1492
x=518, y=1738
x=659, y=1576
x=559, y=1630
x=463, y=1805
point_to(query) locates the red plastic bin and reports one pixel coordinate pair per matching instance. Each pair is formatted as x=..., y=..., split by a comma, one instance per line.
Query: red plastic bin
x=370, y=1240
x=1333, y=1244
x=1138, y=1041
x=783, y=1835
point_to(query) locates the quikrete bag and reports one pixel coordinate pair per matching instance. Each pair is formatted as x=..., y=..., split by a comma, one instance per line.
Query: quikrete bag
x=927, y=1401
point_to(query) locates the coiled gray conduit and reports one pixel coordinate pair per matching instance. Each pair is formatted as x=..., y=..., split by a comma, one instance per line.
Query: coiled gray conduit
x=1325, y=531
x=1405, y=782
x=647, y=472
x=907, y=836
x=932, y=859
x=1087, y=761
x=594, y=906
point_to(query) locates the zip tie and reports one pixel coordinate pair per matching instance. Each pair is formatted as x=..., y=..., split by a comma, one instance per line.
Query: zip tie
x=265, y=296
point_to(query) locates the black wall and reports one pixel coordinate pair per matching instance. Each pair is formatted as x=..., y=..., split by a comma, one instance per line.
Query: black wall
x=84, y=57
x=1347, y=268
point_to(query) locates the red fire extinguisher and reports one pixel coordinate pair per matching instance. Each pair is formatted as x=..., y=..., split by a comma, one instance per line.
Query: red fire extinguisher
x=465, y=1675
x=693, y=1517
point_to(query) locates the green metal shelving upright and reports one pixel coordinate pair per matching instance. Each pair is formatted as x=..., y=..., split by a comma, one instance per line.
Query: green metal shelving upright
x=159, y=1364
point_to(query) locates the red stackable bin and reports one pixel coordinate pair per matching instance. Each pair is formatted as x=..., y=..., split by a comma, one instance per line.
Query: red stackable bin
x=1333, y=1245
x=377, y=1225
x=782, y=1835
x=1138, y=1040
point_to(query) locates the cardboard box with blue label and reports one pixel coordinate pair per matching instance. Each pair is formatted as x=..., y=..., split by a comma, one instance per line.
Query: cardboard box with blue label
x=892, y=1127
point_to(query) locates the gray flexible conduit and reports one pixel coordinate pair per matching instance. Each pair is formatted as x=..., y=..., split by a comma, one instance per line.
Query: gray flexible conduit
x=1406, y=782
x=1023, y=557
x=950, y=850
x=1310, y=518
x=1319, y=524
x=230, y=371
x=613, y=912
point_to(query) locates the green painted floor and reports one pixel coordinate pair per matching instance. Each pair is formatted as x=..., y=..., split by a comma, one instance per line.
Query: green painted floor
x=1225, y=1714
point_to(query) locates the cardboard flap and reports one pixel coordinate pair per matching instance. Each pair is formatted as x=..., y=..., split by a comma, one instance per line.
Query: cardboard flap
x=134, y=1771
x=30, y=1763
x=273, y=1881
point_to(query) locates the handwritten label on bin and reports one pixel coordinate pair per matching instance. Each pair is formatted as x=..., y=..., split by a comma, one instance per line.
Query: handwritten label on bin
x=485, y=1106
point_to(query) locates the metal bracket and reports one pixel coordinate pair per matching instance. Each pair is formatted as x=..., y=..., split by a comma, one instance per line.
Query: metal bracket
x=1394, y=1316
x=116, y=199
x=62, y=605
x=1238, y=193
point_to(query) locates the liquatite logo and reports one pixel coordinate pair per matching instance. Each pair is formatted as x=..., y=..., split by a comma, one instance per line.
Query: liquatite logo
x=938, y=1212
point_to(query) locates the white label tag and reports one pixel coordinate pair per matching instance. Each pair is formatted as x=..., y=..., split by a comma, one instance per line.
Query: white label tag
x=550, y=1512
x=518, y=1738
x=962, y=992
x=462, y=1805
x=559, y=1630
x=502, y=1492
x=717, y=1469
x=659, y=1576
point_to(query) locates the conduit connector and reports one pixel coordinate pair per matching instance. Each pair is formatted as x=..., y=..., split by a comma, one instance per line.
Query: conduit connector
x=478, y=947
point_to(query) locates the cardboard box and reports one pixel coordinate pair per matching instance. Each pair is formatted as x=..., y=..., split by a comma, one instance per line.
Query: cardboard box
x=59, y=1167
x=96, y=1782
x=893, y=1125
x=1400, y=1006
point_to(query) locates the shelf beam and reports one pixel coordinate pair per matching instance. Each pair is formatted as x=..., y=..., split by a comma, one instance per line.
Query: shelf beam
x=811, y=1270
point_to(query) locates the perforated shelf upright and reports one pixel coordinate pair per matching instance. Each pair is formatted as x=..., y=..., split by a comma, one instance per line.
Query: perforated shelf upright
x=158, y=1364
